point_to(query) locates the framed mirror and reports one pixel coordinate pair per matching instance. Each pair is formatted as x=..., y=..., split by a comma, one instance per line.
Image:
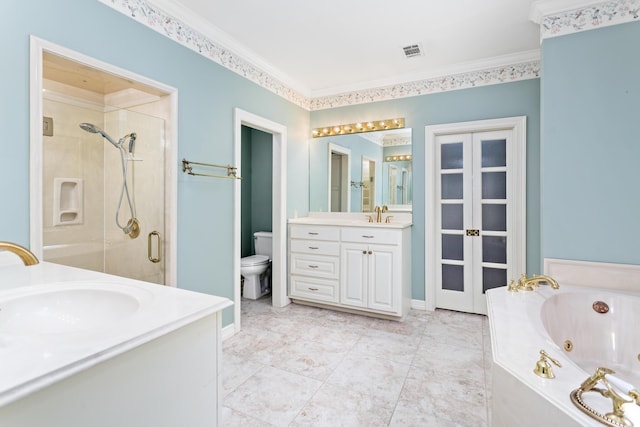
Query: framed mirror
x=356, y=172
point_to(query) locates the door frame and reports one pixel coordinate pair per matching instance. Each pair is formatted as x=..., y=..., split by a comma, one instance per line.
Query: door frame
x=518, y=163
x=37, y=47
x=279, y=296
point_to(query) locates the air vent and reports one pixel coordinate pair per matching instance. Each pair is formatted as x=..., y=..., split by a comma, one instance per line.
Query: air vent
x=412, y=50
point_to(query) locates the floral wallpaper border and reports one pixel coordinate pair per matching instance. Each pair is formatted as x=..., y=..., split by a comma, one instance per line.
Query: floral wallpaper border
x=154, y=18
x=609, y=13
x=588, y=18
x=504, y=74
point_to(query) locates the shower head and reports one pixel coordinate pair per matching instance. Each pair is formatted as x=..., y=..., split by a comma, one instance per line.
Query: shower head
x=95, y=129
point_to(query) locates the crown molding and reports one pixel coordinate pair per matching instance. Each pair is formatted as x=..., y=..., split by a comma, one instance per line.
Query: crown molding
x=185, y=32
x=503, y=74
x=176, y=22
x=465, y=67
x=562, y=17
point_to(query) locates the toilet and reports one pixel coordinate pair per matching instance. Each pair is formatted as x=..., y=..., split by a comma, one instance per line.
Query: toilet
x=256, y=269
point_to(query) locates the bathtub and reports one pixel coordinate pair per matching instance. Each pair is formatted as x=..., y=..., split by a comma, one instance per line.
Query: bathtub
x=523, y=323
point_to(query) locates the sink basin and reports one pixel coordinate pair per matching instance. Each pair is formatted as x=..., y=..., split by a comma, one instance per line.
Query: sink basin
x=56, y=311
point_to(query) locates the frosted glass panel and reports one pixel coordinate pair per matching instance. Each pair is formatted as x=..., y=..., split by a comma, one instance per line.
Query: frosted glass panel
x=452, y=186
x=453, y=277
x=452, y=217
x=494, y=153
x=453, y=247
x=494, y=185
x=451, y=156
x=493, y=278
x=494, y=249
x=494, y=217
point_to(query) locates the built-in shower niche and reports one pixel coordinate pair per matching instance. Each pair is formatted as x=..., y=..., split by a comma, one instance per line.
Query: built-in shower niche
x=67, y=201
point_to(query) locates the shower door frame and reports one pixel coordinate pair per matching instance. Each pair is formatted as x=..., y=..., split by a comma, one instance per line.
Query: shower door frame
x=37, y=47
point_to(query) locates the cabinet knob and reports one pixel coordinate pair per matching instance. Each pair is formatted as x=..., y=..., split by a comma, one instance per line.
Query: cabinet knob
x=364, y=252
x=370, y=252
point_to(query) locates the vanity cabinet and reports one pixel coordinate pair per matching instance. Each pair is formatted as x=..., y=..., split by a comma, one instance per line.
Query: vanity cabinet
x=351, y=267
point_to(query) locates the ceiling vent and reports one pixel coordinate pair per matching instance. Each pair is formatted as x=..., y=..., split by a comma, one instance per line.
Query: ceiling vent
x=412, y=51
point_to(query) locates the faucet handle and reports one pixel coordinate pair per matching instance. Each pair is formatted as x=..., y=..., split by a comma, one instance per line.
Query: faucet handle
x=388, y=219
x=369, y=218
x=543, y=368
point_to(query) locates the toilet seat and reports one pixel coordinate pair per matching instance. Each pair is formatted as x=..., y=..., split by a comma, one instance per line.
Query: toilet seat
x=254, y=260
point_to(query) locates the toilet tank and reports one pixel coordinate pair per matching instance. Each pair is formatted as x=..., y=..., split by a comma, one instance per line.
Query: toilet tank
x=262, y=243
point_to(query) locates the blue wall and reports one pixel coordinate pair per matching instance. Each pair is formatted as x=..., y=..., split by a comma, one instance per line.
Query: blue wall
x=488, y=102
x=590, y=145
x=207, y=96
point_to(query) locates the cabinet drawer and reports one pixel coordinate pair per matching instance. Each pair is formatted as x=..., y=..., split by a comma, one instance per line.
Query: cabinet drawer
x=371, y=235
x=315, y=265
x=314, y=289
x=314, y=232
x=316, y=247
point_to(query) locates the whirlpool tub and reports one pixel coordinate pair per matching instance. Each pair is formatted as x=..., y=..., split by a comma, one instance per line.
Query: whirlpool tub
x=583, y=328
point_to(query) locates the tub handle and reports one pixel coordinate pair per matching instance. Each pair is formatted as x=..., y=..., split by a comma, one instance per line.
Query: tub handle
x=153, y=259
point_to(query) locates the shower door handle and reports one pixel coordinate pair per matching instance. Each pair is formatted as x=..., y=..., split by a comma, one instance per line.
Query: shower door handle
x=149, y=246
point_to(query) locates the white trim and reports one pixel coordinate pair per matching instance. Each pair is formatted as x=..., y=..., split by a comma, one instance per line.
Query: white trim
x=518, y=126
x=469, y=67
x=279, y=216
x=542, y=8
x=37, y=47
x=345, y=185
x=418, y=304
x=573, y=16
x=228, y=331
x=190, y=31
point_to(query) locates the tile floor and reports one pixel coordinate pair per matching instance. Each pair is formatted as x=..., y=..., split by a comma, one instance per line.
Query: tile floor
x=305, y=366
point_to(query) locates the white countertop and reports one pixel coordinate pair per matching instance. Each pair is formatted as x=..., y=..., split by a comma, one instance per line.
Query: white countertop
x=353, y=219
x=32, y=360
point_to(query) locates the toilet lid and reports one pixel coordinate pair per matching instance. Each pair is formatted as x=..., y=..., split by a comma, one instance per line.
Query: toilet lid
x=254, y=260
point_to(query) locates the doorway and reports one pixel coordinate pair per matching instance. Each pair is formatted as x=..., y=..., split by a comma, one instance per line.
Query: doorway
x=80, y=205
x=279, y=160
x=339, y=178
x=475, y=220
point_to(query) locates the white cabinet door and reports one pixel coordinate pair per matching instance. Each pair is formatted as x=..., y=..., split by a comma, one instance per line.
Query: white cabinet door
x=384, y=277
x=353, y=277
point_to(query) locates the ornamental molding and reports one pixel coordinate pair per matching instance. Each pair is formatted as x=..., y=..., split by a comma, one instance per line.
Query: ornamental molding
x=146, y=13
x=556, y=22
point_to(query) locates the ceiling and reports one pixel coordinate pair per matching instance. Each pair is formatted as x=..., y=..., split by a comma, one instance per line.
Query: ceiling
x=328, y=47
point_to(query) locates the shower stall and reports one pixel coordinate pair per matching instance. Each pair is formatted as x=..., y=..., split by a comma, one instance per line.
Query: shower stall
x=104, y=208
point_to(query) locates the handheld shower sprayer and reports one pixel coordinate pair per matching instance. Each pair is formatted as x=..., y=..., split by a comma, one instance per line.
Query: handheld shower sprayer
x=95, y=129
x=132, y=228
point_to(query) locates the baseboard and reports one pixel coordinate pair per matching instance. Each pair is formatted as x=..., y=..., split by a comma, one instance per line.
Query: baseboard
x=228, y=331
x=418, y=304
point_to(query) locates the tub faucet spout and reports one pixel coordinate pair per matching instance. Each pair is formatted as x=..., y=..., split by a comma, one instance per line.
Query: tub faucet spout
x=27, y=257
x=529, y=284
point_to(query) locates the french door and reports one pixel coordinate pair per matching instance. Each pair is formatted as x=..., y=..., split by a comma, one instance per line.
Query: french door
x=478, y=242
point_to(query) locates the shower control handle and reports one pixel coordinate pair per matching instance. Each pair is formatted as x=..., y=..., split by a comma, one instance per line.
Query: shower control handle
x=150, y=248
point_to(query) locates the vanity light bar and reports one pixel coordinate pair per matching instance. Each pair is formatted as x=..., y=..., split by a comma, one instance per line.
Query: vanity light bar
x=360, y=127
x=405, y=157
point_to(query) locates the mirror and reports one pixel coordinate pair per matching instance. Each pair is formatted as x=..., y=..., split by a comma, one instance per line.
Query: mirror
x=356, y=172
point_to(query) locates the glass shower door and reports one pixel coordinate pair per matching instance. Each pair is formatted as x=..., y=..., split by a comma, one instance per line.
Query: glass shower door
x=141, y=257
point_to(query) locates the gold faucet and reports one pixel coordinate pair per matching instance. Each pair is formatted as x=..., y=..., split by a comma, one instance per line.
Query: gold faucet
x=529, y=284
x=379, y=211
x=618, y=399
x=27, y=257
